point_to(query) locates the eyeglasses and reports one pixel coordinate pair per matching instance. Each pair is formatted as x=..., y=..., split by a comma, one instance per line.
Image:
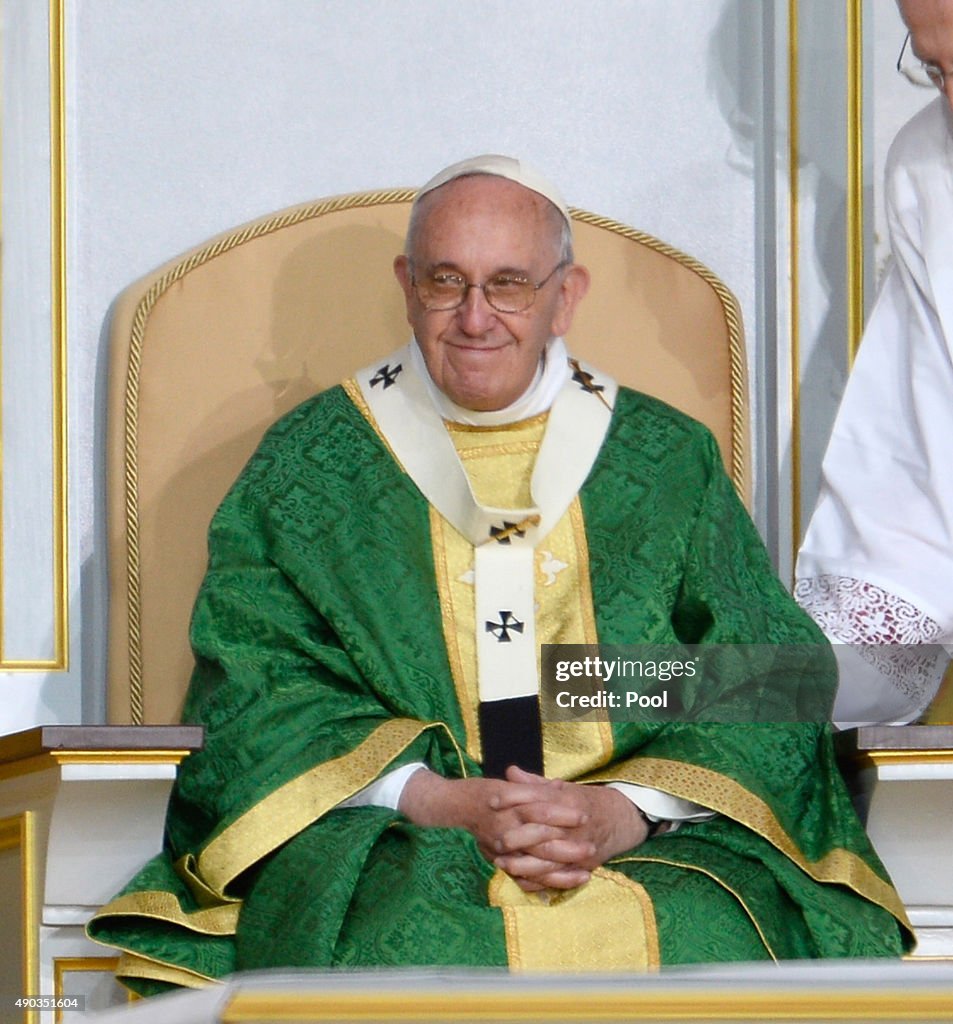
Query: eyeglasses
x=920, y=72
x=441, y=290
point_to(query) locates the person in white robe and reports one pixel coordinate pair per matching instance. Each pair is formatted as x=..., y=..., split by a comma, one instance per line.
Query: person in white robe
x=876, y=566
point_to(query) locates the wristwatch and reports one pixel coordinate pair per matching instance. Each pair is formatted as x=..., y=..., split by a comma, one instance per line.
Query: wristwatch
x=654, y=827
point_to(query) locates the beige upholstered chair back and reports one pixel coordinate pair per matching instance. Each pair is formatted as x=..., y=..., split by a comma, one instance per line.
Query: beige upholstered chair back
x=214, y=346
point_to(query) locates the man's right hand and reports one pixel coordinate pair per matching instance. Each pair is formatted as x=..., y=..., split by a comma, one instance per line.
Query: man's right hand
x=545, y=833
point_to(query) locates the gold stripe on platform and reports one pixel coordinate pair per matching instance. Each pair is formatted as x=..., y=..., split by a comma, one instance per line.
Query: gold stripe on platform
x=911, y=756
x=49, y=759
x=592, y=1005
x=170, y=756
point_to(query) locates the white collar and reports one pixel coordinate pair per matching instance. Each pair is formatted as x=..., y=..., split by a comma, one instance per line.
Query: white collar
x=504, y=540
x=398, y=399
x=551, y=375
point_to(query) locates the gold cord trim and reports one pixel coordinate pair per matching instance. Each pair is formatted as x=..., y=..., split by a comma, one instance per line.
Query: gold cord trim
x=708, y=874
x=353, y=391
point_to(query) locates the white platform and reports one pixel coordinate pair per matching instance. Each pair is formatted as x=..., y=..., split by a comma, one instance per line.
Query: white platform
x=817, y=991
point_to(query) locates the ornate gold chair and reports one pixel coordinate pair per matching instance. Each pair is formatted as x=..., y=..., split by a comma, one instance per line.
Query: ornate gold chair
x=217, y=344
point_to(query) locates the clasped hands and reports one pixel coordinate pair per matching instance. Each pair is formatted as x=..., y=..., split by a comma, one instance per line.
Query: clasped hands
x=545, y=833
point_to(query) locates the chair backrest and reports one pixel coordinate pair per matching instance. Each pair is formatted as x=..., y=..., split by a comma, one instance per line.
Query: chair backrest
x=211, y=348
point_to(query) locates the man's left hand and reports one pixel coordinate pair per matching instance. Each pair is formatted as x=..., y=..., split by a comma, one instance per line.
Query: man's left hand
x=610, y=824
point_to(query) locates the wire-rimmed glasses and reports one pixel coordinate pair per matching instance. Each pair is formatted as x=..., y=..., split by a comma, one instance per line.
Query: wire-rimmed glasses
x=923, y=73
x=440, y=290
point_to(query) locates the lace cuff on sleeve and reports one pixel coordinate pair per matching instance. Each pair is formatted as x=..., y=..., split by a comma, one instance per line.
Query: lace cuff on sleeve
x=893, y=666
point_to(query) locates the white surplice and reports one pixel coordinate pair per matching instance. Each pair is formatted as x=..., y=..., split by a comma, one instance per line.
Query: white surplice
x=876, y=567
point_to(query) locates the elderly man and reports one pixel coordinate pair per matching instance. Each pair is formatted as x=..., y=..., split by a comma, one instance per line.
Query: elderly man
x=378, y=786
x=877, y=559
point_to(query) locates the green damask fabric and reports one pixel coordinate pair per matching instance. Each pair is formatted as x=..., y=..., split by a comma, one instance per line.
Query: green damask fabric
x=319, y=622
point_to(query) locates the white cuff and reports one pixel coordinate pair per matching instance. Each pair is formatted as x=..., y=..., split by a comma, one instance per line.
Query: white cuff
x=659, y=806
x=385, y=791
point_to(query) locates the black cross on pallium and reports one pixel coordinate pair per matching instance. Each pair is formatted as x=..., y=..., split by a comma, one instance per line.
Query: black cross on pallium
x=501, y=629
x=586, y=381
x=502, y=534
x=386, y=376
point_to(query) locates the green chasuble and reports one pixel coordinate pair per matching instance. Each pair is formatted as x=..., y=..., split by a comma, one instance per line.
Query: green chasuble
x=324, y=660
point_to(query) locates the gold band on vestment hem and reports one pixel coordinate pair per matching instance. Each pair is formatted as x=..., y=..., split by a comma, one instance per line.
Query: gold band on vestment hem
x=726, y=796
x=135, y=965
x=608, y=924
x=163, y=906
x=303, y=800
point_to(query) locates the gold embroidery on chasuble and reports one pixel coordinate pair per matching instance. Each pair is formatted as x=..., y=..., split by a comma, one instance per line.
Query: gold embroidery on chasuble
x=499, y=464
x=608, y=924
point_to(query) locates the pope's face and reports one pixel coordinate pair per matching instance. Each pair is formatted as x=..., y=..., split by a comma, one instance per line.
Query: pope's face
x=931, y=35
x=478, y=227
